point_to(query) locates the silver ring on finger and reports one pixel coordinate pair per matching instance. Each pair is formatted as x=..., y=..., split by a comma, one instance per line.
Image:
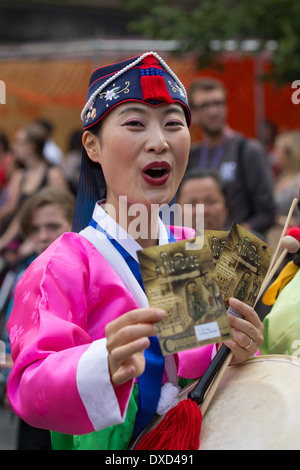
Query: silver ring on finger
x=249, y=345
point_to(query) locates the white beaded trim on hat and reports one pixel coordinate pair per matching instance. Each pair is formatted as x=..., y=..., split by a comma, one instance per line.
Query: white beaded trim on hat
x=129, y=66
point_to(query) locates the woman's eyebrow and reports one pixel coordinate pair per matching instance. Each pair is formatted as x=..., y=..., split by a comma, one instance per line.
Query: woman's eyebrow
x=174, y=109
x=142, y=110
x=133, y=108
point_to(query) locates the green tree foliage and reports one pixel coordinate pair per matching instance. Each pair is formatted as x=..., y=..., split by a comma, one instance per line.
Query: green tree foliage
x=200, y=25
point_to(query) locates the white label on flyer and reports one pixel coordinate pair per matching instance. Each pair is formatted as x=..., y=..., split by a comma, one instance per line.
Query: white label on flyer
x=207, y=331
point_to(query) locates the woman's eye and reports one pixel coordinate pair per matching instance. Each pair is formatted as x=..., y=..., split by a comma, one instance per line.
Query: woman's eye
x=53, y=227
x=174, y=123
x=133, y=123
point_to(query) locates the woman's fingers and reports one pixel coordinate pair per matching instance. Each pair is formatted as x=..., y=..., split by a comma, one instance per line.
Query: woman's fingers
x=130, y=369
x=247, y=332
x=132, y=326
x=127, y=339
x=130, y=333
x=122, y=353
x=141, y=315
x=245, y=311
x=250, y=324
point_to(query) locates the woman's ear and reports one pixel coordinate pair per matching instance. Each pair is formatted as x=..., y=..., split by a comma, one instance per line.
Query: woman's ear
x=91, y=144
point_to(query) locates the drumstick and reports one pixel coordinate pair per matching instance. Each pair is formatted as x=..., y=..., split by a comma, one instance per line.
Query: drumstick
x=198, y=393
x=211, y=378
x=212, y=390
x=290, y=245
x=287, y=222
x=275, y=263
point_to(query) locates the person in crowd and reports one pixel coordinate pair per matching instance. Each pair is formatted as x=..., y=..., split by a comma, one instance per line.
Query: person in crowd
x=6, y=161
x=268, y=133
x=287, y=158
x=73, y=160
x=51, y=151
x=34, y=173
x=287, y=183
x=241, y=162
x=9, y=193
x=203, y=186
x=87, y=363
x=43, y=218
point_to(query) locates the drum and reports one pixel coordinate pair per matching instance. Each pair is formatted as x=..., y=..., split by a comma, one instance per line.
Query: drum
x=256, y=407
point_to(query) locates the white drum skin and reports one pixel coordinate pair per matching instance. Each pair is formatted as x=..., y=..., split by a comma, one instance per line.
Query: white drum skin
x=256, y=407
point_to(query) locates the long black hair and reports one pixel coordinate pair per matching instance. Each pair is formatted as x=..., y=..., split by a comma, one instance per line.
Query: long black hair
x=91, y=187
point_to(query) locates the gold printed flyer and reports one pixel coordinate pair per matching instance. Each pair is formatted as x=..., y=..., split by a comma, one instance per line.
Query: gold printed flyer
x=179, y=278
x=216, y=240
x=242, y=265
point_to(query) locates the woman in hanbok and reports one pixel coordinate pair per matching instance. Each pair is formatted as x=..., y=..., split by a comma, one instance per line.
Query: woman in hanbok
x=87, y=362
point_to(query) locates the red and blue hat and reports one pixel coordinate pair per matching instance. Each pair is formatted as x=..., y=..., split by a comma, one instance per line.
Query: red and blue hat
x=146, y=78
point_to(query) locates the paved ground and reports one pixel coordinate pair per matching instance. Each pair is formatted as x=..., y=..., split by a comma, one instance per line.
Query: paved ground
x=8, y=429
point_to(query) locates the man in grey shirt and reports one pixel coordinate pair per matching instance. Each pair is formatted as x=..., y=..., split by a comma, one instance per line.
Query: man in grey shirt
x=240, y=162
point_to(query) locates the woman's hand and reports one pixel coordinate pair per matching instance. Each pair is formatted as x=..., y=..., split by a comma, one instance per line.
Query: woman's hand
x=247, y=332
x=127, y=339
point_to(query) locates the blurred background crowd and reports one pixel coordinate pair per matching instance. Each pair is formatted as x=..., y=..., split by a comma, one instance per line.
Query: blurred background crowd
x=47, y=51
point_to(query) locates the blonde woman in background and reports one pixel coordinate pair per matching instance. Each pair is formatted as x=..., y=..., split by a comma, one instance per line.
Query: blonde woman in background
x=287, y=184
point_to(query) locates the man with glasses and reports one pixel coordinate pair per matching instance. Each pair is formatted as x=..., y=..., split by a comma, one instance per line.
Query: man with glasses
x=240, y=162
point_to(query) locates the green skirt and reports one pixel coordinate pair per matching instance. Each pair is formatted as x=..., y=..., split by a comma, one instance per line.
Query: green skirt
x=113, y=438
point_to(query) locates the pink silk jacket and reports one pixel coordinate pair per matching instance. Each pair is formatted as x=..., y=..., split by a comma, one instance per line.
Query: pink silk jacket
x=60, y=379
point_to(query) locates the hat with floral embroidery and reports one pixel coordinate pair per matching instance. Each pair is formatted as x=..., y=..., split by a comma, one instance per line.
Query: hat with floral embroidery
x=146, y=78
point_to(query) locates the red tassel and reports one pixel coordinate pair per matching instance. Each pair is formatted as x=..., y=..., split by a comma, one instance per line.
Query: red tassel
x=152, y=81
x=178, y=430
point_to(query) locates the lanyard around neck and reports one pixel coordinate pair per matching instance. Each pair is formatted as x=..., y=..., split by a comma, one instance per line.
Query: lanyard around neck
x=216, y=159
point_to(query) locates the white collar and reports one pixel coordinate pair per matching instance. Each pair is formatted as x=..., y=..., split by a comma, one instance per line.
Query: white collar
x=118, y=233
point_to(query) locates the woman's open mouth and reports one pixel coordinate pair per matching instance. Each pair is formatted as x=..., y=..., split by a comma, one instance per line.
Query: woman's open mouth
x=156, y=173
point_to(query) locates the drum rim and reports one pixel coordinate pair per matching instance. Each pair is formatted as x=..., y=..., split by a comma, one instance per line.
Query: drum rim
x=271, y=357
x=254, y=359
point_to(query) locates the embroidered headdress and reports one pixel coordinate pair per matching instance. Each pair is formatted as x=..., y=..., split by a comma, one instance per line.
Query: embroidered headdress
x=147, y=79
